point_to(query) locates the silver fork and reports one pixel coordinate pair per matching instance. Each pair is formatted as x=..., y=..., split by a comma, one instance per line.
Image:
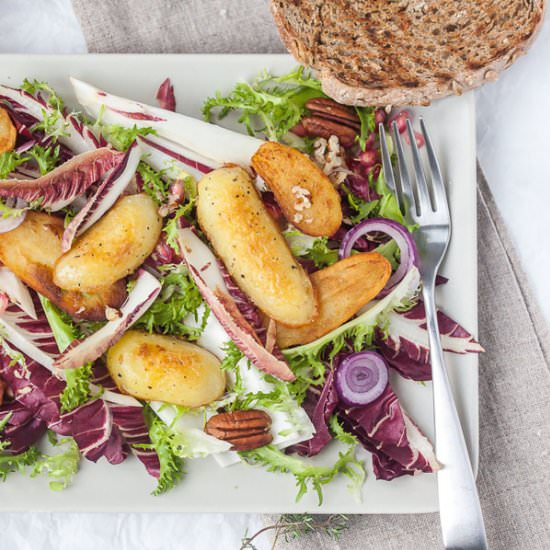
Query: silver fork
x=425, y=202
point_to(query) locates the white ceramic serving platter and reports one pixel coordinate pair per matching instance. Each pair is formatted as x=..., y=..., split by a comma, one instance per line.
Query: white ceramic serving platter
x=207, y=487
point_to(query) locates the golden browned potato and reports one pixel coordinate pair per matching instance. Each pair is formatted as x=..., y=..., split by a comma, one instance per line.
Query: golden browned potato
x=164, y=368
x=31, y=250
x=112, y=248
x=343, y=289
x=304, y=193
x=252, y=247
x=8, y=133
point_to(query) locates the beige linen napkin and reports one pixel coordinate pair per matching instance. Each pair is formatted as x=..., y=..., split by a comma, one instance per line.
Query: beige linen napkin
x=514, y=478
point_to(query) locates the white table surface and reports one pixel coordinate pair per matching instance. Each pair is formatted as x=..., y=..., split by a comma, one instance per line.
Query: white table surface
x=513, y=117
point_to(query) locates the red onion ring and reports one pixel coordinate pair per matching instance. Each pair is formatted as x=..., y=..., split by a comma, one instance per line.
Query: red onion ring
x=399, y=233
x=12, y=222
x=361, y=378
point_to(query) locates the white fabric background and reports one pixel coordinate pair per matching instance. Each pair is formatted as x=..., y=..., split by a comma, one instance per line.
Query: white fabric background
x=513, y=144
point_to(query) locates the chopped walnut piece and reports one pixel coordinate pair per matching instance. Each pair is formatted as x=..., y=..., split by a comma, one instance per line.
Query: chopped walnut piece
x=329, y=156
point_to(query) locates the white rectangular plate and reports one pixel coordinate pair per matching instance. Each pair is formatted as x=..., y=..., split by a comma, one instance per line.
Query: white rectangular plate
x=207, y=487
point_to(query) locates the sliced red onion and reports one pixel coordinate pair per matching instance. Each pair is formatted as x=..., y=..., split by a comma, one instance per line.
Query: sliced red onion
x=399, y=233
x=138, y=302
x=12, y=222
x=361, y=378
x=17, y=292
x=105, y=196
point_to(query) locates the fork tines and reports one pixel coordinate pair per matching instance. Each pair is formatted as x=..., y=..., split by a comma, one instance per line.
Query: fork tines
x=425, y=199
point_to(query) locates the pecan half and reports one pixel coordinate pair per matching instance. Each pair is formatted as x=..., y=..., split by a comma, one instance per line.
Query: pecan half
x=328, y=108
x=321, y=127
x=245, y=430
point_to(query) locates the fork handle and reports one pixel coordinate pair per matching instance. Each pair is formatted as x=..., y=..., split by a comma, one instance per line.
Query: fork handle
x=460, y=511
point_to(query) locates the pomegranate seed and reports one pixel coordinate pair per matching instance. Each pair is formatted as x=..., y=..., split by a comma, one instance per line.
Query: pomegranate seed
x=368, y=158
x=369, y=144
x=177, y=193
x=379, y=116
x=418, y=137
x=400, y=118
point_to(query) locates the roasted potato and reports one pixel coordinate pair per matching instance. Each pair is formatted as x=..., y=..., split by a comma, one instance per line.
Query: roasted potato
x=164, y=368
x=8, y=133
x=249, y=242
x=343, y=289
x=112, y=248
x=304, y=193
x=31, y=250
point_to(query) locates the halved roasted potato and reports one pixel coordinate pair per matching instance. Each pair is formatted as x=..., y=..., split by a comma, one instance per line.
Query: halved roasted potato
x=112, y=248
x=342, y=289
x=31, y=250
x=163, y=368
x=251, y=245
x=8, y=133
x=305, y=194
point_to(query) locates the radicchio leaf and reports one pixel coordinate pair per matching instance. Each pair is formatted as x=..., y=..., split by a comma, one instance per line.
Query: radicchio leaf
x=406, y=347
x=203, y=267
x=93, y=429
x=17, y=291
x=28, y=109
x=79, y=353
x=105, y=196
x=62, y=185
x=206, y=139
x=386, y=431
x=131, y=423
x=35, y=387
x=23, y=428
x=320, y=405
x=163, y=154
x=165, y=96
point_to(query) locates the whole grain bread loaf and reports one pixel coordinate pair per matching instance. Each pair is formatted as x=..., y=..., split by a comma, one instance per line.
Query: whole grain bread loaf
x=393, y=52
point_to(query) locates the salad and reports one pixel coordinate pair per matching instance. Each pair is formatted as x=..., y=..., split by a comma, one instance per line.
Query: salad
x=171, y=289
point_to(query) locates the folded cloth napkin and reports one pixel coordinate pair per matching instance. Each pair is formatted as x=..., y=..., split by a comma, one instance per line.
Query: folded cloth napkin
x=514, y=478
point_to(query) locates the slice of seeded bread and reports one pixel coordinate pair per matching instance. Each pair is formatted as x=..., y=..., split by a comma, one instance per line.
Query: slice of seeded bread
x=394, y=52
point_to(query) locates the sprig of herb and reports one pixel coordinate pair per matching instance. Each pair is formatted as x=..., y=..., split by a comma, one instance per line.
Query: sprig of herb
x=295, y=526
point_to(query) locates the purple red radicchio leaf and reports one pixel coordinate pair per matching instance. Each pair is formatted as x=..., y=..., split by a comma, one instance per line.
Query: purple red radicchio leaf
x=66, y=182
x=383, y=428
x=406, y=346
x=165, y=96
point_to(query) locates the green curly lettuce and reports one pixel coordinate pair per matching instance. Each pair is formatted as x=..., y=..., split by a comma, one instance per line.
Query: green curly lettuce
x=308, y=475
x=77, y=390
x=269, y=105
x=178, y=298
x=61, y=467
x=163, y=442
